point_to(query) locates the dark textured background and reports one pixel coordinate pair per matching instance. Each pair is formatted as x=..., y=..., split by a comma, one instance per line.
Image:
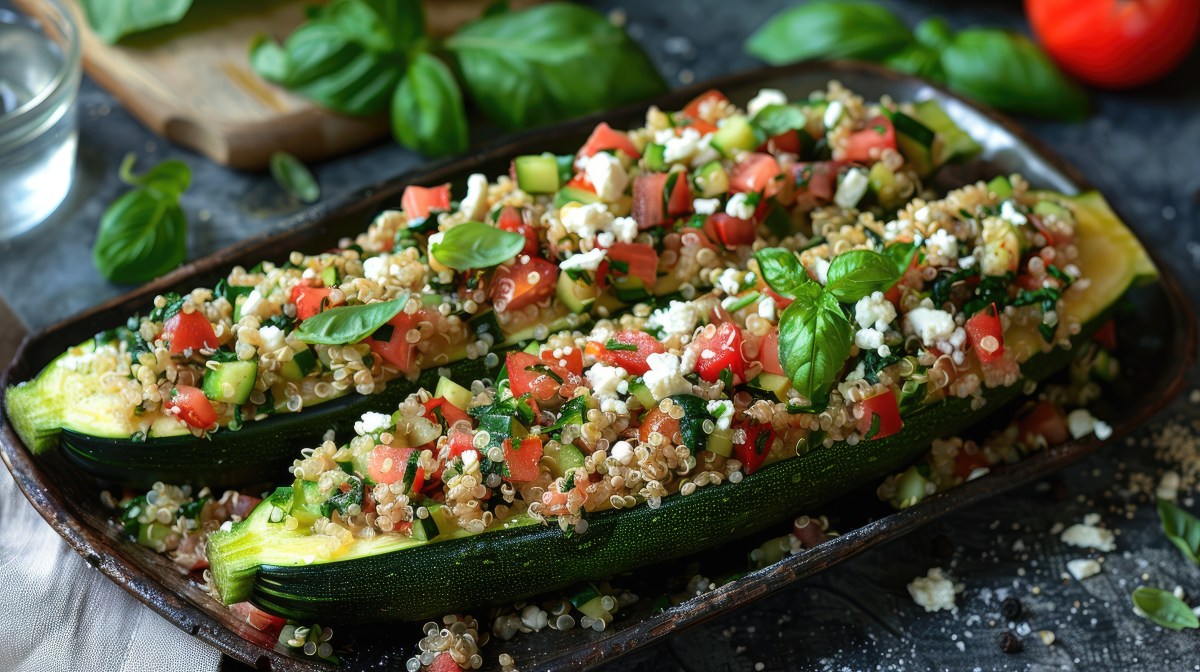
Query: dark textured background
x=1141, y=148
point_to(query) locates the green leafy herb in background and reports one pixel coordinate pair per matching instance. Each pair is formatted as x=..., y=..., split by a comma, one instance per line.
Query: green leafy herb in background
x=143, y=234
x=294, y=177
x=349, y=324
x=996, y=67
x=114, y=19
x=427, y=109
x=1182, y=528
x=1165, y=609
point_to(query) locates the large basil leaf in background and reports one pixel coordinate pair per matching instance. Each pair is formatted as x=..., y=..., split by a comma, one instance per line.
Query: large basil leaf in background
x=550, y=62
x=427, y=110
x=114, y=19
x=382, y=26
x=829, y=30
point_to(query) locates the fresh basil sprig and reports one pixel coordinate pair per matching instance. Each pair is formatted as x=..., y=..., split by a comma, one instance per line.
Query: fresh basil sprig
x=295, y=178
x=1182, y=528
x=143, y=234
x=349, y=324
x=997, y=67
x=114, y=19
x=427, y=110
x=475, y=245
x=1165, y=609
x=815, y=333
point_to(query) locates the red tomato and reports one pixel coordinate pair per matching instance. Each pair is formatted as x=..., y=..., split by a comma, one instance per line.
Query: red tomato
x=701, y=126
x=784, y=142
x=513, y=220
x=864, y=146
x=529, y=374
x=524, y=283
x=809, y=532
x=781, y=302
x=648, y=191
x=571, y=361
x=633, y=361
x=754, y=450
x=718, y=350
x=242, y=505
x=461, y=440
x=768, y=353
x=310, y=300
x=680, y=202
x=701, y=102
x=986, y=334
x=389, y=465
x=756, y=174
x=418, y=202
x=1047, y=421
x=189, y=331
x=582, y=183
x=605, y=138
x=657, y=421
x=523, y=459
x=444, y=663
x=258, y=619
x=641, y=261
x=1115, y=43
x=397, y=351
x=817, y=179
x=732, y=231
x=1107, y=335
x=965, y=463
x=191, y=406
x=885, y=407
x=438, y=406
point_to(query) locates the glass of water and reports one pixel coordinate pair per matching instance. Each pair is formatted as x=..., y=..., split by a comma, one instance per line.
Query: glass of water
x=39, y=84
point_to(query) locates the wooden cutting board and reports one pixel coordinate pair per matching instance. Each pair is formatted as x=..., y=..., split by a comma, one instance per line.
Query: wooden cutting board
x=192, y=83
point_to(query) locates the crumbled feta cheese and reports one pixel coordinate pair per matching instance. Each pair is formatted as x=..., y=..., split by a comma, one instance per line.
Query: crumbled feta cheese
x=687, y=363
x=271, y=337
x=739, y=206
x=681, y=147
x=622, y=451
x=587, y=261
x=664, y=378
x=254, y=303
x=922, y=215
x=934, y=591
x=469, y=457
x=869, y=339
x=1168, y=486
x=474, y=204
x=679, y=317
x=227, y=526
x=1087, y=535
x=930, y=324
x=874, y=311
x=967, y=261
x=730, y=281
x=1081, y=423
x=764, y=98
x=706, y=206
x=376, y=268
x=942, y=247
x=820, y=268
x=1082, y=569
x=372, y=422
x=606, y=173
x=605, y=380
x=1008, y=212
x=851, y=189
x=766, y=309
x=722, y=410
x=705, y=152
x=605, y=239
x=586, y=220
x=625, y=229
x=833, y=114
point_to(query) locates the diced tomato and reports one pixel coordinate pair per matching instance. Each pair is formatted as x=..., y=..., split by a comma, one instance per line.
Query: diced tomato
x=640, y=259
x=633, y=361
x=605, y=138
x=877, y=136
x=768, y=353
x=809, y=532
x=191, y=406
x=788, y=141
x=1029, y=282
x=389, y=464
x=570, y=358
x=718, y=350
x=582, y=183
x=680, y=202
x=756, y=174
x=461, y=440
x=1041, y=227
x=418, y=202
x=259, y=619
x=754, y=450
x=527, y=373
x=438, y=409
x=1107, y=335
x=310, y=300
x=708, y=98
x=522, y=459
x=189, y=331
x=648, y=199
x=986, y=335
x=657, y=421
x=732, y=231
x=1047, y=421
x=242, y=505
x=397, y=351
x=967, y=462
x=513, y=220
x=818, y=179
x=444, y=663
x=885, y=407
x=699, y=125
x=522, y=284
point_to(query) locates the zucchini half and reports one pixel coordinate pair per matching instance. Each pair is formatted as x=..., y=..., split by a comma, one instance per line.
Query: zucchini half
x=393, y=578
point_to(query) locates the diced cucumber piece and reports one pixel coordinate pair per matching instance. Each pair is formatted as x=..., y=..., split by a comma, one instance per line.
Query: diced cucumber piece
x=595, y=609
x=772, y=551
x=721, y=441
x=773, y=383
x=655, y=156
x=712, y=180
x=574, y=195
x=1000, y=186
x=230, y=382
x=915, y=141
x=629, y=289
x=576, y=294
x=883, y=184
x=302, y=363
x=735, y=134
x=154, y=536
x=329, y=276
x=563, y=459
x=533, y=348
x=642, y=393
x=953, y=143
x=1053, y=209
x=453, y=392
x=437, y=523
x=537, y=173
x=584, y=596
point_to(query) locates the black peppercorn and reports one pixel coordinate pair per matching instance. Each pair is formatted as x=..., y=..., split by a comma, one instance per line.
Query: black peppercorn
x=1010, y=642
x=1011, y=608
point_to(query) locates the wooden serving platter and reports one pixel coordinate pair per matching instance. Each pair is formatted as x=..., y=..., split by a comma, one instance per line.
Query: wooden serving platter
x=1158, y=337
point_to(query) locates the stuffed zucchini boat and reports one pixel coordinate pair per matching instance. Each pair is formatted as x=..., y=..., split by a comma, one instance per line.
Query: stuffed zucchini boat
x=661, y=433
x=278, y=353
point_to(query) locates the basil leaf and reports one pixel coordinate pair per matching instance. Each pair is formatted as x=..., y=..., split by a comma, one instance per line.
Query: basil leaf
x=857, y=273
x=825, y=30
x=382, y=26
x=114, y=19
x=1165, y=609
x=1182, y=528
x=919, y=60
x=427, y=109
x=349, y=324
x=550, y=62
x=774, y=120
x=142, y=236
x=902, y=254
x=814, y=342
x=782, y=272
x=1008, y=71
x=294, y=177
x=169, y=178
x=475, y=245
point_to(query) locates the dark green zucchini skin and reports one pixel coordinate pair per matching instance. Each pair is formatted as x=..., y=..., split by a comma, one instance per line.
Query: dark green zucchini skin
x=503, y=566
x=258, y=452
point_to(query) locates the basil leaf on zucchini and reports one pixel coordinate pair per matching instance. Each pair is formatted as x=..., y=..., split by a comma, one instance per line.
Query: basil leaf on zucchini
x=427, y=109
x=814, y=341
x=858, y=273
x=475, y=245
x=349, y=324
x=782, y=272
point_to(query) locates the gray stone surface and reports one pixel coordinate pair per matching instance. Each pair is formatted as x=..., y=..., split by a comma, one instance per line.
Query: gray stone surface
x=1140, y=148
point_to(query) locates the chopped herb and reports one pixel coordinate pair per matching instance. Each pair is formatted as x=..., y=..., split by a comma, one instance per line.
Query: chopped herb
x=1060, y=275
x=945, y=281
x=874, y=429
x=138, y=437
x=726, y=376
x=545, y=370
x=193, y=509
x=991, y=289
x=873, y=363
x=170, y=309
x=353, y=494
x=614, y=345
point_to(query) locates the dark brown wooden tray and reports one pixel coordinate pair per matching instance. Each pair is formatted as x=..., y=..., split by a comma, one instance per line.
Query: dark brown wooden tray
x=1158, y=340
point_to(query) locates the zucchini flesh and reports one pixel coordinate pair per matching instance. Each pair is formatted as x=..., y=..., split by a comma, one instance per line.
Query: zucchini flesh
x=402, y=579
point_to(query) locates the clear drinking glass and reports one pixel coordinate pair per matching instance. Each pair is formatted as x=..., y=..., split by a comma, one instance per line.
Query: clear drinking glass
x=39, y=84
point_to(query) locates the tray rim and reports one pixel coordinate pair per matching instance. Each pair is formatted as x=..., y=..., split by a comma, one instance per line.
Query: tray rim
x=127, y=573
